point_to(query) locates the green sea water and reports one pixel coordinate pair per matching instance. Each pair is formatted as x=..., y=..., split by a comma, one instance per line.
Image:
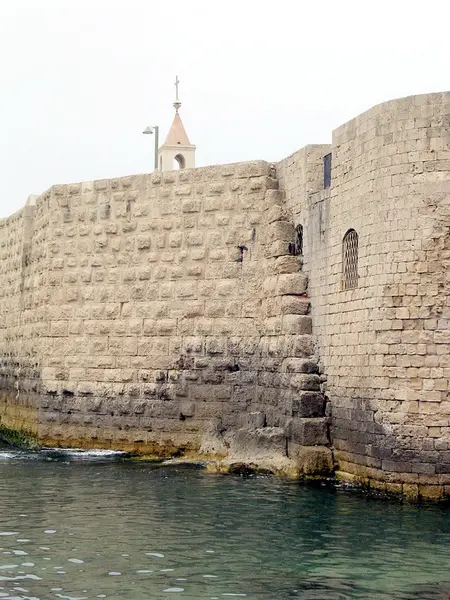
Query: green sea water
x=87, y=526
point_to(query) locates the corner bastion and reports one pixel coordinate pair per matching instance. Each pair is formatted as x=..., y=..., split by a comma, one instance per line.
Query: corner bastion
x=294, y=317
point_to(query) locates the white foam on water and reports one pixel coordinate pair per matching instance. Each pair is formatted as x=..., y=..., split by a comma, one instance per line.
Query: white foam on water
x=166, y=570
x=157, y=554
x=80, y=453
x=7, y=455
x=240, y=595
x=114, y=573
x=20, y=552
x=28, y=564
x=174, y=589
x=22, y=540
x=9, y=532
x=77, y=561
x=27, y=576
x=210, y=576
x=8, y=566
x=44, y=548
x=50, y=531
x=144, y=571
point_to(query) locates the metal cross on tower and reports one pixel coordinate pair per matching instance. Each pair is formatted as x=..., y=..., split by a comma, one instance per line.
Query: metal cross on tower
x=177, y=102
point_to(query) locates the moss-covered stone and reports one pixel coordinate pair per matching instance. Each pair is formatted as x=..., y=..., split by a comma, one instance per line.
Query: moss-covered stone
x=20, y=439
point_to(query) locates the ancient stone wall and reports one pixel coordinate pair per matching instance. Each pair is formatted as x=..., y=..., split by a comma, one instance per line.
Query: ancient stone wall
x=169, y=313
x=164, y=314
x=19, y=370
x=385, y=344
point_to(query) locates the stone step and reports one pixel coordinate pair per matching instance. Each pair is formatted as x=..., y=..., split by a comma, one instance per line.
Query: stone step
x=309, y=431
x=308, y=405
x=296, y=305
x=286, y=264
x=287, y=305
x=299, y=365
x=296, y=324
x=305, y=381
x=273, y=197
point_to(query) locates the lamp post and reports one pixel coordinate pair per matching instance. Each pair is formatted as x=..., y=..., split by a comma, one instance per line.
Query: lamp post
x=150, y=130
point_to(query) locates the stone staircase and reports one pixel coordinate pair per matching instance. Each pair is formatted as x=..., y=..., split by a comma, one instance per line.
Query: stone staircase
x=288, y=431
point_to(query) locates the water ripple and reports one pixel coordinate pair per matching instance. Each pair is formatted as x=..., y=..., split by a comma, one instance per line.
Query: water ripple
x=135, y=531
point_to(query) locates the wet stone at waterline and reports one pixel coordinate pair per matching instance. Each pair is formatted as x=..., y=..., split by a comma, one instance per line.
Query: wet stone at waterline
x=84, y=526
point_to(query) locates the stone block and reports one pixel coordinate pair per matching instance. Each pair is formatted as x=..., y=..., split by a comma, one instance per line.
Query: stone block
x=280, y=231
x=309, y=432
x=256, y=420
x=301, y=346
x=299, y=365
x=297, y=324
x=303, y=381
x=291, y=283
x=187, y=408
x=183, y=190
x=287, y=264
x=431, y=492
x=191, y=206
x=298, y=305
x=253, y=443
x=277, y=248
x=311, y=460
x=252, y=169
x=308, y=405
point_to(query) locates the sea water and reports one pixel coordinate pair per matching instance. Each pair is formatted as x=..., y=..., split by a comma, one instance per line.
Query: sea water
x=83, y=526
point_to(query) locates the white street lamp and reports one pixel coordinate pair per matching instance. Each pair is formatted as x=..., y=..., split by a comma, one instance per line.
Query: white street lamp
x=150, y=130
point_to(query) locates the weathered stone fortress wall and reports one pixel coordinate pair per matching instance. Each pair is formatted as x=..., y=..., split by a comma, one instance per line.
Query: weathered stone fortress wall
x=384, y=345
x=19, y=358
x=167, y=313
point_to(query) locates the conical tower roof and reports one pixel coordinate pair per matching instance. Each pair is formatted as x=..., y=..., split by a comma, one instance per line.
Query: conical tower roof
x=177, y=134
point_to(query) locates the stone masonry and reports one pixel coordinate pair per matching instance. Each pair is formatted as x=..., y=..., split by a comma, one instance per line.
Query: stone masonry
x=163, y=314
x=384, y=346
x=204, y=312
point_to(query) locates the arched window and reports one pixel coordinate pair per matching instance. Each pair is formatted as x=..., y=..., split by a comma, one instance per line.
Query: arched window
x=179, y=158
x=296, y=247
x=350, y=260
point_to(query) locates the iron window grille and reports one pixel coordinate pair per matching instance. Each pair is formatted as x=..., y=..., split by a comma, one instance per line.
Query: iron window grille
x=350, y=260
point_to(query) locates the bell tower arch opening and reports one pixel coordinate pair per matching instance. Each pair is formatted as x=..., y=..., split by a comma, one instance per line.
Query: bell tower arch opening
x=179, y=161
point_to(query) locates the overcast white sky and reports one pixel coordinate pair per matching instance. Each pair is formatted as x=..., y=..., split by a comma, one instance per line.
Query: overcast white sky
x=80, y=79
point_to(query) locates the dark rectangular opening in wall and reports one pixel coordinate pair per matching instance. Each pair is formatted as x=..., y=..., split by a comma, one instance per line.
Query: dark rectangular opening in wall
x=327, y=171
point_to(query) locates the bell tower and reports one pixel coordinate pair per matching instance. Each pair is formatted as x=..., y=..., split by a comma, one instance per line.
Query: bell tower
x=177, y=152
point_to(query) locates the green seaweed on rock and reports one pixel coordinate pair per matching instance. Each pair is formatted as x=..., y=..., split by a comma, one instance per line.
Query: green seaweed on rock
x=19, y=439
